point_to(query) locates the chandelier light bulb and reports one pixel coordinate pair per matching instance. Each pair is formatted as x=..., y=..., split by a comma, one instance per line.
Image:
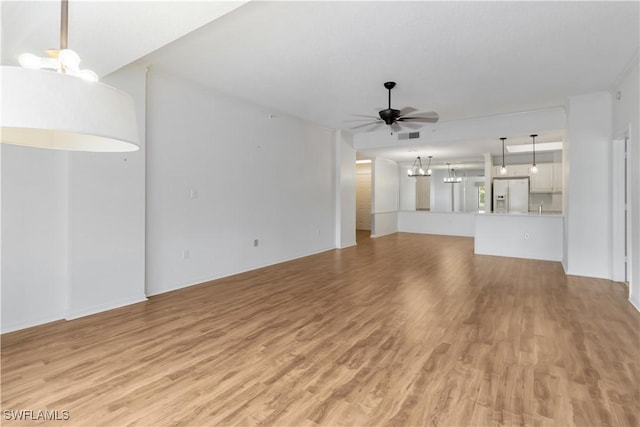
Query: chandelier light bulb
x=503, y=170
x=66, y=62
x=409, y=172
x=69, y=60
x=421, y=171
x=429, y=171
x=49, y=63
x=29, y=60
x=534, y=169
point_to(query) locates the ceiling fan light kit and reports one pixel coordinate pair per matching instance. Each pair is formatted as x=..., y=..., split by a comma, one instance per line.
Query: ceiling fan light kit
x=52, y=103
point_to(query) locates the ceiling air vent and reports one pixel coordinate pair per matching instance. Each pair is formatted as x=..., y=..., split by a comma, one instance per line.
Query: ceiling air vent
x=410, y=135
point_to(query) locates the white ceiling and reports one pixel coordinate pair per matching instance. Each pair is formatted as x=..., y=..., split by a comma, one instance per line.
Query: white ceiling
x=325, y=61
x=106, y=34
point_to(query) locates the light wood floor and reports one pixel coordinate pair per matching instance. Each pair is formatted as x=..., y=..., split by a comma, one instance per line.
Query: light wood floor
x=401, y=330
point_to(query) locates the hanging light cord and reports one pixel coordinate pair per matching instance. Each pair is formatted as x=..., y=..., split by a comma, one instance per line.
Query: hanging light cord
x=534, y=149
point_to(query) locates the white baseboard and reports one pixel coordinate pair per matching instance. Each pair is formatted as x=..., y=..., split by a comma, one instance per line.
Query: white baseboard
x=200, y=280
x=373, y=236
x=347, y=246
x=75, y=314
x=30, y=324
x=634, y=305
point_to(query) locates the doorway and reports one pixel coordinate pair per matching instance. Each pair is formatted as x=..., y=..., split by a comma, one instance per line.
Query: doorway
x=363, y=197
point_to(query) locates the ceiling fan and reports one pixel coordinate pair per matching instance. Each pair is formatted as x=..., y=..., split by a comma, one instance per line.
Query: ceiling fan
x=397, y=119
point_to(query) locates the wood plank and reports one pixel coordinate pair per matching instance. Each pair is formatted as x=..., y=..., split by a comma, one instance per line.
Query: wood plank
x=400, y=330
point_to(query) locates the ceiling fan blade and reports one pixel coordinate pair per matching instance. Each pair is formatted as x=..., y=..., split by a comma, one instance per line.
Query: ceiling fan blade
x=371, y=119
x=430, y=117
x=376, y=127
x=362, y=115
x=419, y=119
x=430, y=114
x=363, y=125
x=407, y=110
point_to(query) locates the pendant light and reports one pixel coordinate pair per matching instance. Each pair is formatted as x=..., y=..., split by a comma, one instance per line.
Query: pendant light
x=534, y=168
x=52, y=103
x=503, y=169
x=452, y=178
x=417, y=170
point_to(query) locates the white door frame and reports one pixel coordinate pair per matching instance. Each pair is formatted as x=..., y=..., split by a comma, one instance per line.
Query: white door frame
x=621, y=244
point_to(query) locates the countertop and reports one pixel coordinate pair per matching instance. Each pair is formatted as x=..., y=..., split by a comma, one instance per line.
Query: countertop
x=527, y=214
x=544, y=214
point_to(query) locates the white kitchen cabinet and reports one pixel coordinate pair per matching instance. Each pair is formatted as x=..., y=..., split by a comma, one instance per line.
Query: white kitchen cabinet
x=557, y=178
x=512, y=170
x=518, y=170
x=547, y=180
x=542, y=182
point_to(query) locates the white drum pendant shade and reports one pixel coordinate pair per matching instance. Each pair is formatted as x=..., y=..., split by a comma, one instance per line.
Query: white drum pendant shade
x=47, y=109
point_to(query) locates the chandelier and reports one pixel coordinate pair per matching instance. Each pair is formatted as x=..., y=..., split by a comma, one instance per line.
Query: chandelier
x=417, y=170
x=452, y=178
x=50, y=103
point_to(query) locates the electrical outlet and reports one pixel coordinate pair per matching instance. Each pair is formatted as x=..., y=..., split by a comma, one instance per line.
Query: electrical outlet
x=256, y=242
x=185, y=254
x=526, y=236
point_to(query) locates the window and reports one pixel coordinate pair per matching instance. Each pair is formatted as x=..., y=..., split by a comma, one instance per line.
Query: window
x=481, y=196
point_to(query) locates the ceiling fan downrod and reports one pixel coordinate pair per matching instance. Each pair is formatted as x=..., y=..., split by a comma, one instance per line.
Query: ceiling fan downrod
x=64, y=24
x=389, y=86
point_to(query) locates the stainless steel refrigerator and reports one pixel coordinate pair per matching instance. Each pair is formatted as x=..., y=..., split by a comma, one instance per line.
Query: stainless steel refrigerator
x=511, y=195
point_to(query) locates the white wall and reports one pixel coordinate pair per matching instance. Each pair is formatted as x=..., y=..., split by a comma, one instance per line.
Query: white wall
x=626, y=117
x=253, y=173
x=72, y=227
x=407, y=190
x=469, y=193
x=386, y=185
x=107, y=217
x=445, y=223
x=440, y=191
x=385, y=192
x=345, y=190
x=588, y=213
x=34, y=236
x=519, y=236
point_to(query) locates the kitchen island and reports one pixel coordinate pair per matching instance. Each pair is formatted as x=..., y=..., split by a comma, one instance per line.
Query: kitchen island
x=520, y=235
